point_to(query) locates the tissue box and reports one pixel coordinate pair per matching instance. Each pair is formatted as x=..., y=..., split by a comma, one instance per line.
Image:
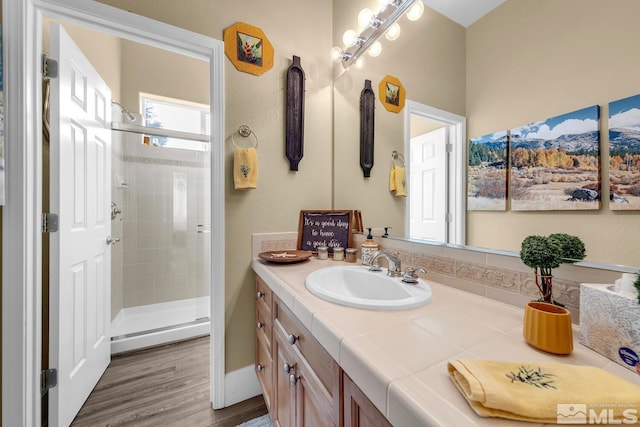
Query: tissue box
x=610, y=324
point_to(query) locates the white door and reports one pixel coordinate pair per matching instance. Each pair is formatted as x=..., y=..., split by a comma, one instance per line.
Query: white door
x=427, y=186
x=80, y=260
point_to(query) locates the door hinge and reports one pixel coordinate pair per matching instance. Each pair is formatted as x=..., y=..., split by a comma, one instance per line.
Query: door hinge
x=48, y=380
x=49, y=222
x=449, y=147
x=49, y=67
x=449, y=217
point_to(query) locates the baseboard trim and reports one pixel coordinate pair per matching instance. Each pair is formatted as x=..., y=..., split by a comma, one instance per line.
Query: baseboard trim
x=160, y=337
x=240, y=385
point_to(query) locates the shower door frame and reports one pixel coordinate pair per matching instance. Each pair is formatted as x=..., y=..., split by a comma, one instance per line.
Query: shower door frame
x=22, y=220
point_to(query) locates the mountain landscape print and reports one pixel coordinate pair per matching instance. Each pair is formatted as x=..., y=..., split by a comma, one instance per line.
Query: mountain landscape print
x=624, y=153
x=555, y=163
x=487, y=172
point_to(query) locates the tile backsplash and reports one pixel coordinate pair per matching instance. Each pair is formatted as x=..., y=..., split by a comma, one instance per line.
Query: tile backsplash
x=495, y=275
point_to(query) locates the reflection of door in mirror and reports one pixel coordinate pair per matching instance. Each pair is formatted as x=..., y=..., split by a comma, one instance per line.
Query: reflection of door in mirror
x=428, y=186
x=436, y=152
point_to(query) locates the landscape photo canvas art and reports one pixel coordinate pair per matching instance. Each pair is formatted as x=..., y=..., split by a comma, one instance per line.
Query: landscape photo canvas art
x=487, y=172
x=624, y=154
x=555, y=163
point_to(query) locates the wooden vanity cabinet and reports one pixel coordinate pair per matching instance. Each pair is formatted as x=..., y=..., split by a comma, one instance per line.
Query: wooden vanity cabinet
x=302, y=385
x=358, y=409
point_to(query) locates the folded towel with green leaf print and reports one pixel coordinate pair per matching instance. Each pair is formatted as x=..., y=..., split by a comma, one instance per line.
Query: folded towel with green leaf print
x=545, y=392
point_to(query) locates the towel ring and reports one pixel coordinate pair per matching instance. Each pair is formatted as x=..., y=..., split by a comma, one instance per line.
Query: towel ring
x=244, y=131
x=397, y=156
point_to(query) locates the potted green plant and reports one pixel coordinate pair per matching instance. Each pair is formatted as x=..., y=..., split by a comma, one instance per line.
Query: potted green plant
x=544, y=253
x=547, y=324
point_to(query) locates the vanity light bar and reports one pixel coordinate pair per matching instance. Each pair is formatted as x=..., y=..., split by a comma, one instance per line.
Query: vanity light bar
x=379, y=25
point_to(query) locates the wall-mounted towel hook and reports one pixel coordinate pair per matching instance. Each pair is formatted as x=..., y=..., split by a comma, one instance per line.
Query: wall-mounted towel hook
x=244, y=131
x=397, y=156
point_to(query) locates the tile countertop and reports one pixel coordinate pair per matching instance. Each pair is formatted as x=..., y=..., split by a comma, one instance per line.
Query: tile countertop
x=399, y=358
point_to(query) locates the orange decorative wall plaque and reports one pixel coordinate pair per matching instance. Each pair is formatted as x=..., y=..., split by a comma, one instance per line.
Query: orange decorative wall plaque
x=248, y=48
x=391, y=93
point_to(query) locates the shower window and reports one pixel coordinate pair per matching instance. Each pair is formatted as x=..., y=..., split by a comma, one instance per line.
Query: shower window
x=175, y=114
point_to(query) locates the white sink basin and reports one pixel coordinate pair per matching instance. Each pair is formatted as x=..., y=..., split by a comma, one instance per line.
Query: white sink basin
x=356, y=286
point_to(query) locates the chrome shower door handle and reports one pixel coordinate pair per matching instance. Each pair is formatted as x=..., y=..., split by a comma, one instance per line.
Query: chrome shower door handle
x=112, y=240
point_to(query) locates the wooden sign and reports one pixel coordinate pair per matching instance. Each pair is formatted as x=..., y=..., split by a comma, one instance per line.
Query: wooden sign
x=324, y=228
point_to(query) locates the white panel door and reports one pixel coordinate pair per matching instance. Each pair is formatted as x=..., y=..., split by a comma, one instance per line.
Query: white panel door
x=427, y=186
x=80, y=263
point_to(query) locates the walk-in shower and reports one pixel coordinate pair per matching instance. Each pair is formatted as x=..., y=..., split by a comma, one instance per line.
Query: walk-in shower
x=161, y=266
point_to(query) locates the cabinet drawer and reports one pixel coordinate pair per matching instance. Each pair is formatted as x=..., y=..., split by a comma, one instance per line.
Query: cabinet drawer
x=264, y=370
x=317, y=357
x=264, y=296
x=264, y=325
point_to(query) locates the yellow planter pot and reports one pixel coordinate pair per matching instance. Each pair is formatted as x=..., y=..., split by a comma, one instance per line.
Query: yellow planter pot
x=548, y=327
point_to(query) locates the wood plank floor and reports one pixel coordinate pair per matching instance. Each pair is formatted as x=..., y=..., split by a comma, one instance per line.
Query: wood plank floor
x=162, y=386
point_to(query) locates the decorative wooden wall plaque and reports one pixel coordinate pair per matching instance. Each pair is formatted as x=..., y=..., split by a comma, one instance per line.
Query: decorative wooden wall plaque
x=248, y=48
x=367, y=109
x=294, y=144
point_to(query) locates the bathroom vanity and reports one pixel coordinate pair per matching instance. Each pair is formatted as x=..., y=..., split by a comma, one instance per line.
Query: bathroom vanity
x=302, y=384
x=325, y=364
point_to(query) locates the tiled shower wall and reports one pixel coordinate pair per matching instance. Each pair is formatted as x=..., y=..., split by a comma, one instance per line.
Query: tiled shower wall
x=166, y=205
x=117, y=196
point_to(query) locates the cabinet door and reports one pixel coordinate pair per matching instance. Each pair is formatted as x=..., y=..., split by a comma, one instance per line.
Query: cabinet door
x=358, y=409
x=325, y=372
x=313, y=404
x=285, y=364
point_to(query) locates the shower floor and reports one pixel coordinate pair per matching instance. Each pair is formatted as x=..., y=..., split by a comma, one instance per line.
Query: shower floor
x=154, y=324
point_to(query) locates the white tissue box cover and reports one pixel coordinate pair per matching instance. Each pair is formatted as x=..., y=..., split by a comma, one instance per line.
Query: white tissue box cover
x=610, y=324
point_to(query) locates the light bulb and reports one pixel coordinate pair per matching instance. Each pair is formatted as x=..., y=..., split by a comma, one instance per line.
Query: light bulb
x=349, y=37
x=364, y=18
x=416, y=11
x=359, y=63
x=393, y=32
x=375, y=49
x=336, y=54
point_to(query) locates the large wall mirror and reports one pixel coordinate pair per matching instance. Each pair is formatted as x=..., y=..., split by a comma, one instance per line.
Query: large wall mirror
x=522, y=62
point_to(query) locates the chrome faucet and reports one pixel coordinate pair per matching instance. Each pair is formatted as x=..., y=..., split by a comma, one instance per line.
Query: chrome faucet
x=393, y=263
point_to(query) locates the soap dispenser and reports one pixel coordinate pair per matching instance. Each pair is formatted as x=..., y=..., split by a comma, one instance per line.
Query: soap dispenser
x=368, y=248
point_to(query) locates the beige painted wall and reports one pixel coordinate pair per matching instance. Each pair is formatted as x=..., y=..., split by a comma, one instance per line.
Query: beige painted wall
x=259, y=101
x=527, y=61
x=429, y=60
x=159, y=72
x=102, y=50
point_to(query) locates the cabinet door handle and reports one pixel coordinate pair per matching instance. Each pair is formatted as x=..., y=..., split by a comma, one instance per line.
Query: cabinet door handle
x=259, y=325
x=259, y=294
x=259, y=367
x=288, y=368
x=292, y=339
x=293, y=380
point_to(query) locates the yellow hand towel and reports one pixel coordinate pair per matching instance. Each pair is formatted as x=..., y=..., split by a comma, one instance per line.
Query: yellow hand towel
x=245, y=168
x=401, y=181
x=545, y=393
x=392, y=179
